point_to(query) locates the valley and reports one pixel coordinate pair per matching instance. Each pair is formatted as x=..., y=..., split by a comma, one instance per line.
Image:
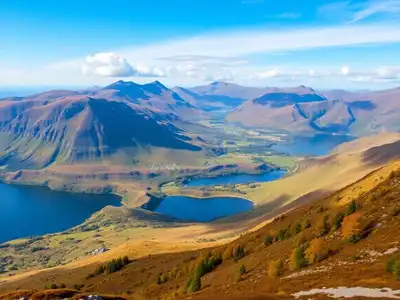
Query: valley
x=156, y=174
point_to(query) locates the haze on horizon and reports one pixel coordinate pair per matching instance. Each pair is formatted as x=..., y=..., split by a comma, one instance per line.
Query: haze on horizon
x=323, y=44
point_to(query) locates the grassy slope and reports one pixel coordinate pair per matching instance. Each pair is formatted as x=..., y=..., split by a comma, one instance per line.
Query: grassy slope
x=349, y=264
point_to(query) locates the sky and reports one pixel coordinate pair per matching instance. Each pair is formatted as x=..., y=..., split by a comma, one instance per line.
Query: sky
x=353, y=44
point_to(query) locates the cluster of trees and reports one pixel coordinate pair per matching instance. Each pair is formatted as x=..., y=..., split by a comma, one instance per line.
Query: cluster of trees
x=54, y=286
x=111, y=266
x=234, y=253
x=393, y=266
x=203, y=266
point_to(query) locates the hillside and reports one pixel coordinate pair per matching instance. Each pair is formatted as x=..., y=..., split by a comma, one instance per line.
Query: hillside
x=337, y=241
x=218, y=95
x=303, y=110
x=72, y=129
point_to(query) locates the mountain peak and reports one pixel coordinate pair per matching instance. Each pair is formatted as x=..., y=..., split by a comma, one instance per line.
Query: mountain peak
x=155, y=87
x=121, y=84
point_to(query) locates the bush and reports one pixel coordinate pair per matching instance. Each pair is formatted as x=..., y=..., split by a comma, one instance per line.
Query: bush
x=317, y=251
x=238, y=253
x=297, y=259
x=194, y=284
x=337, y=221
x=242, y=270
x=297, y=228
x=306, y=224
x=351, y=208
x=268, y=240
x=323, y=226
x=390, y=264
x=281, y=235
x=275, y=268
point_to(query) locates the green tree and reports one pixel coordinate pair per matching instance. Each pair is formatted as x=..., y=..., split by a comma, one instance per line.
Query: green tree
x=297, y=259
x=351, y=208
x=195, y=284
x=390, y=264
x=337, y=221
x=397, y=270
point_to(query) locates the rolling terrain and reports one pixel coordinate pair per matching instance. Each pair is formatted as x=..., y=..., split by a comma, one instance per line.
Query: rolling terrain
x=343, y=239
x=304, y=111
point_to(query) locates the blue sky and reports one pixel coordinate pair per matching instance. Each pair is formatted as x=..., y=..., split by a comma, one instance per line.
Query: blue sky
x=325, y=44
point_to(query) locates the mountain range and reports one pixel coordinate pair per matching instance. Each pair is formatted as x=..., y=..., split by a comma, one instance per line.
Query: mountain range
x=126, y=118
x=123, y=118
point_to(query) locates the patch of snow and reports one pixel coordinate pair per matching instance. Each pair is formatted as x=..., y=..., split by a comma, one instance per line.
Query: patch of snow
x=344, y=292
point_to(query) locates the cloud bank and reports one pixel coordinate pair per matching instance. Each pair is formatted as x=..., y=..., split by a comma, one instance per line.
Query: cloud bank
x=111, y=65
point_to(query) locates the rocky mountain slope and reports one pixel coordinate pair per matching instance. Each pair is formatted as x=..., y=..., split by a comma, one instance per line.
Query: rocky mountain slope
x=69, y=127
x=304, y=110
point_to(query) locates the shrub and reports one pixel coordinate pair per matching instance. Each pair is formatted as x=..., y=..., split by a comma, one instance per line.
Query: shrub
x=281, y=235
x=351, y=225
x=351, y=208
x=323, y=226
x=238, y=253
x=390, y=264
x=194, y=284
x=242, y=270
x=397, y=270
x=275, y=268
x=297, y=228
x=297, y=259
x=317, y=251
x=228, y=253
x=268, y=240
x=337, y=221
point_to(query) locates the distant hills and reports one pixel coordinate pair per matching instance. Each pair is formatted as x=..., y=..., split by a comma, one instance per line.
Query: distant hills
x=304, y=110
x=218, y=95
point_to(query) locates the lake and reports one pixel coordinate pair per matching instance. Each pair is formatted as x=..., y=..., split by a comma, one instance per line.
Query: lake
x=202, y=210
x=28, y=211
x=317, y=145
x=237, y=179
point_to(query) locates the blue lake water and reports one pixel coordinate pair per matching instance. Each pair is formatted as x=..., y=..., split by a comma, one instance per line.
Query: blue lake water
x=237, y=179
x=202, y=210
x=28, y=211
x=318, y=145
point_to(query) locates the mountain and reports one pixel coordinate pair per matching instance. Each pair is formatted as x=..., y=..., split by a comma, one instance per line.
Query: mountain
x=153, y=95
x=36, y=133
x=304, y=110
x=218, y=95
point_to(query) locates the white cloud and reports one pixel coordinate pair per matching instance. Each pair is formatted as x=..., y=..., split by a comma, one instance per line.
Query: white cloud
x=112, y=65
x=375, y=7
x=380, y=75
x=345, y=70
x=355, y=11
x=274, y=73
